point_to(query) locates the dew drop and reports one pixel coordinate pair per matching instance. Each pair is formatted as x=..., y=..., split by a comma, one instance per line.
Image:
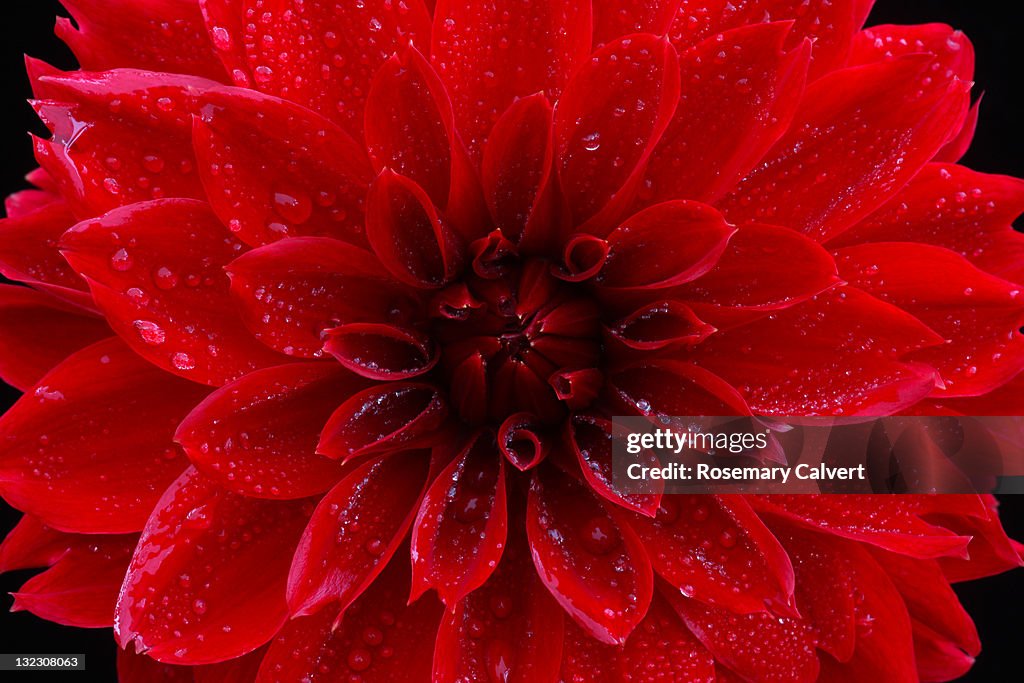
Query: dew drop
x=121, y=261
x=183, y=361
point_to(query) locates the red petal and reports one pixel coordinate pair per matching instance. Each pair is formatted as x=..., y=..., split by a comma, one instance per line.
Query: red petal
x=590, y=438
x=273, y=169
x=378, y=639
x=163, y=289
x=459, y=533
x=666, y=387
x=979, y=315
x=31, y=544
x=382, y=352
x=890, y=522
x=764, y=268
x=257, y=436
x=321, y=54
x=508, y=630
x=936, y=658
x=522, y=440
x=826, y=592
x=137, y=668
x=954, y=207
x=879, y=118
x=953, y=52
x=238, y=670
x=202, y=548
x=616, y=18
x=989, y=552
x=409, y=237
x=830, y=27
x=930, y=600
x=956, y=148
x=383, y=417
x=540, y=44
x=646, y=252
x=611, y=116
x=740, y=92
x=355, y=530
x=662, y=649
x=95, y=433
x=784, y=646
x=518, y=172
x=715, y=549
x=885, y=648
x=38, y=332
x=119, y=137
x=410, y=129
x=165, y=35
x=290, y=292
x=80, y=589
x=591, y=561
x=28, y=252
x=660, y=324
x=835, y=354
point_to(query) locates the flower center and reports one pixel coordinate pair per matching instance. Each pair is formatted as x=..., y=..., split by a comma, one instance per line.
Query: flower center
x=516, y=339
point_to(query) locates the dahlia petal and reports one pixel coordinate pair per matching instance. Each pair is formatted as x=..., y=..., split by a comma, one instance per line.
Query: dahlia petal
x=31, y=544
x=509, y=629
x=616, y=18
x=119, y=137
x=577, y=388
x=238, y=670
x=953, y=207
x=95, y=433
x=826, y=594
x=274, y=169
x=785, y=646
x=320, y=54
x=936, y=658
x=38, y=332
x=460, y=530
x=338, y=558
x=198, y=552
x=522, y=440
x=166, y=35
x=518, y=172
x=166, y=293
x=1006, y=400
x=290, y=292
x=660, y=324
x=764, y=268
x=410, y=129
x=541, y=45
x=381, y=638
x=880, y=118
x=929, y=599
x=258, y=435
x=645, y=252
x=990, y=550
x=715, y=549
x=579, y=547
x=830, y=27
x=382, y=352
x=956, y=148
x=885, y=647
x=28, y=252
x=796, y=362
x=133, y=667
x=953, y=52
x=408, y=235
x=889, y=522
x=740, y=92
x=667, y=387
x=977, y=314
x=609, y=119
x=80, y=589
x=590, y=438
x=583, y=257
x=383, y=417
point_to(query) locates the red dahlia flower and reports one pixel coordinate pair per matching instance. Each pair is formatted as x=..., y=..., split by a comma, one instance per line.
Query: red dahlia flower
x=319, y=287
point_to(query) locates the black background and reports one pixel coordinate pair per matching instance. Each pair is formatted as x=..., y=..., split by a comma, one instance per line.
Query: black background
x=997, y=604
